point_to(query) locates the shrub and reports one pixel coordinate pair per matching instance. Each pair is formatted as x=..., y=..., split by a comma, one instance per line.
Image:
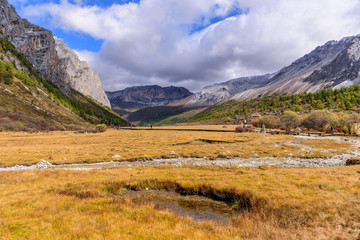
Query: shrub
x=6, y=72
x=349, y=121
x=268, y=121
x=290, y=120
x=317, y=120
x=298, y=109
x=100, y=128
x=242, y=129
x=25, y=78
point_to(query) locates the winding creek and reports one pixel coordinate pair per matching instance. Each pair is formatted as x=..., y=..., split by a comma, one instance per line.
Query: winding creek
x=338, y=160
x=290, y=161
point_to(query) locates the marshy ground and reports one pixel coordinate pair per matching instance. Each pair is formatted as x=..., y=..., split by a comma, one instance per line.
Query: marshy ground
x=177, y=201
x=120, y=145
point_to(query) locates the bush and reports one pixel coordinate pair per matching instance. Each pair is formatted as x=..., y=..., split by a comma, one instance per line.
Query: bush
x=317, y=120
x=100, y=128
x=6, y=72
x=242, y=129
x=268, y=121
x=290, y=120
x=25, y=78
x=347, y=123
x=298, y=109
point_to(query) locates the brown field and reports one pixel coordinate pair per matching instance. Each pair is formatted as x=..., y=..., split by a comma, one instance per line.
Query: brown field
x=318, y=203
x=70, y=147
x=121, y=203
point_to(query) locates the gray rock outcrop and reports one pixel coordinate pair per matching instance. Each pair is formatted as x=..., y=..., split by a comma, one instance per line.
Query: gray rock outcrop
x=39, y=48
x=79, y=75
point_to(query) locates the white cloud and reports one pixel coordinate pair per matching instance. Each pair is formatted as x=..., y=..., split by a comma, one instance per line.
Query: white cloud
x=150, y=43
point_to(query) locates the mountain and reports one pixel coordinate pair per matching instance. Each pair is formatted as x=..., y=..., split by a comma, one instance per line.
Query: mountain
x=334, y=64
x=79, y=75
x=213, y=94
x=146, y=96
x=49, y=59
x=30, y=103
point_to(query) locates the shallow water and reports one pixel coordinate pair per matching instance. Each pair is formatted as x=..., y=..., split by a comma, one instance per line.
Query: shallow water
x=196, y=207
x=196, y=215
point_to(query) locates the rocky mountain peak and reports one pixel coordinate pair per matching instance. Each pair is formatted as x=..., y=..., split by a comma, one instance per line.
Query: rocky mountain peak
x=34, y=42
x=343, y=70
x=221, y=91
x=335, y=64
x=79, y=75
x=40, y=49
x=145, y=96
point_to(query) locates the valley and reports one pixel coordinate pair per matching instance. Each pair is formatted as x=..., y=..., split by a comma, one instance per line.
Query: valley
x=182, y=201
x=260, y=156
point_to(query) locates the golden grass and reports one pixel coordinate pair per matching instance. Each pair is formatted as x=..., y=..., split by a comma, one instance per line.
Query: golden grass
x=314, y=203
x=69, y=147
x=291, y=203
x=326, y=144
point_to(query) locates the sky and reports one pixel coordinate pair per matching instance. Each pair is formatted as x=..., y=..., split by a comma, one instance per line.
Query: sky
x=191, y=43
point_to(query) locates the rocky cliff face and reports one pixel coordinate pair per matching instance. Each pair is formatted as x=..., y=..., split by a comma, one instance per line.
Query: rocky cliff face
x=39, y=48
x=146, y=96
x=79, y=75
x=36, y=43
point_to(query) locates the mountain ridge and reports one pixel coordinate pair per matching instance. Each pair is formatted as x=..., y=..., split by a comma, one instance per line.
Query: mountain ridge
x=39, y=48
x=295, y=78
x=325, y=66
x=146, y=96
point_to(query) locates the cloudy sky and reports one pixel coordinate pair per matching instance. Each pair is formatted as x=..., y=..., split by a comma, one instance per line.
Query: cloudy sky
x=191, y=43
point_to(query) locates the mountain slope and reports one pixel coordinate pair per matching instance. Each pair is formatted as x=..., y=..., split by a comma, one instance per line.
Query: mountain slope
x=221, y=91
x=341, y=101
x=334, y=64
x=39, y=48
x=146, y=96
x=29, y=103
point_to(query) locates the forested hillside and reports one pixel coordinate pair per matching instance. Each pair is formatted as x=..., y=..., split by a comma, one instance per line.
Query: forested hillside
x=339, y=99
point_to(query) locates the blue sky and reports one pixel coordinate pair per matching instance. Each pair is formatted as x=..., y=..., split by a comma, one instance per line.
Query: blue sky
x=73, y=39
x=82, y=41
x=191, y=43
